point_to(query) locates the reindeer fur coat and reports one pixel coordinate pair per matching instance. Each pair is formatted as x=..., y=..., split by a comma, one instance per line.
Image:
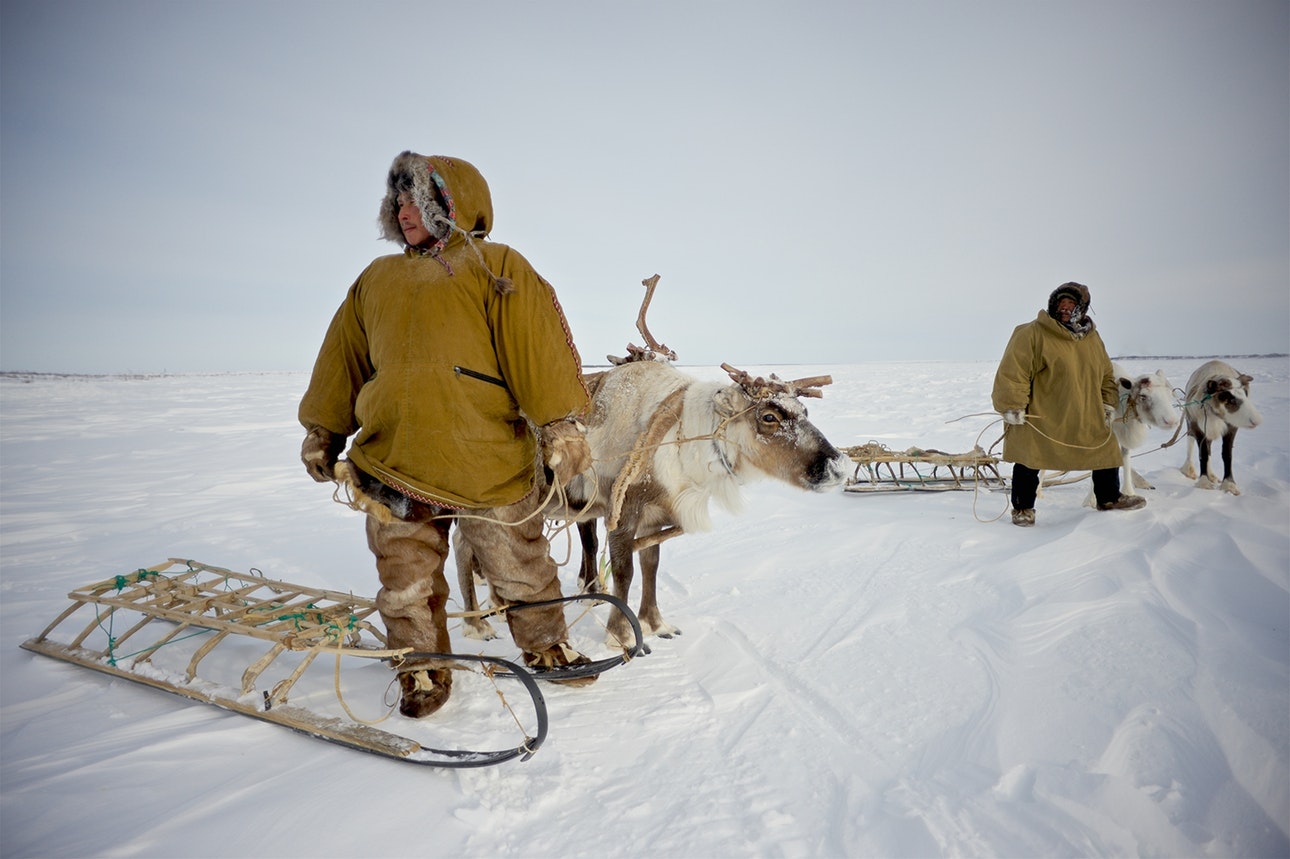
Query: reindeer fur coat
x=1060, y=379
x=438, y=360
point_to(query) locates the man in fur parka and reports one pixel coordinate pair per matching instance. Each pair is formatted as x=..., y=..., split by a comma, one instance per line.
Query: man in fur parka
x=1057, y=394
x=439, y=363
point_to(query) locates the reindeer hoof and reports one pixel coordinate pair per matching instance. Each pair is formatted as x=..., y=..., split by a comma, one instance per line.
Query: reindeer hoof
x=1229, y=486
x=1206, y=482
x=625, y=641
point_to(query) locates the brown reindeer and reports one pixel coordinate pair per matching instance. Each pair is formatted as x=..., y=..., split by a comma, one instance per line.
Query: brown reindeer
x=1218, y=404
x=664, y=447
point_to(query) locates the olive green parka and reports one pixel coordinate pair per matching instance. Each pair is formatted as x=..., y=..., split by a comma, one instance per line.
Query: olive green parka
x=437, y=361
x=1060, y=379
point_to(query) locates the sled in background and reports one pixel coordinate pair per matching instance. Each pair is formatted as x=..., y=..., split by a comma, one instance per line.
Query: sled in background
x=207, y=628
x=886, y=470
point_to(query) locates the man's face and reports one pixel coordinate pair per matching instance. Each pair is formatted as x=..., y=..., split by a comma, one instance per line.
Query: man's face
x=1065, y=307
x=414, y=231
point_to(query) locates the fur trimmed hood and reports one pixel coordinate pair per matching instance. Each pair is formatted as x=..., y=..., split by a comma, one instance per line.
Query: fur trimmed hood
x=1077, y=292
x=450, y=193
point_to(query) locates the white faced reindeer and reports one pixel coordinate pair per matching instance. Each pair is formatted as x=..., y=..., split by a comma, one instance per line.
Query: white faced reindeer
x=1218, y=404
x=1145, y=402
x=665, y=446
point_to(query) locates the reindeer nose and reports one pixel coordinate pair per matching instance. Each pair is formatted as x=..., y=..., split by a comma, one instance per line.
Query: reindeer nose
x=829, y=471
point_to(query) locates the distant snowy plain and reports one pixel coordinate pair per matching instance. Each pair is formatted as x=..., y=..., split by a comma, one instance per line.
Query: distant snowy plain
x=901, y=674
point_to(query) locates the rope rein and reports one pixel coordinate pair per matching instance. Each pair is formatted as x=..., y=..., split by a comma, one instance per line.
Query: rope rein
x=668, y=415
x=1130, y=410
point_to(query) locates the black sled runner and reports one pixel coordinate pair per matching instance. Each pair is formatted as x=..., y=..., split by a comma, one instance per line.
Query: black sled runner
x=199, y=631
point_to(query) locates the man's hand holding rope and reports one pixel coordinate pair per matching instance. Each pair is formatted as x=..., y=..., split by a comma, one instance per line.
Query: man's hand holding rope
x=565, y=450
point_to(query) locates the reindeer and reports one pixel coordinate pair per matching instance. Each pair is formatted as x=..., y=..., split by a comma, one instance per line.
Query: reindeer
x=664, y=447
x=1218, y=404
x=1145, y=402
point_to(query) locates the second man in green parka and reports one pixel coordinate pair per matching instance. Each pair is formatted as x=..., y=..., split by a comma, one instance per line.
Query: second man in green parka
x=1057, y=393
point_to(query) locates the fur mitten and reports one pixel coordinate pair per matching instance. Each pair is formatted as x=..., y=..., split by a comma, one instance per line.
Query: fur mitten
x=320, y=451
x=565, y=452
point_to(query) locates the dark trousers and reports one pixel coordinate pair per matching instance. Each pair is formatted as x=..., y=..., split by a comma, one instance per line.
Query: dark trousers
x=1025, y=485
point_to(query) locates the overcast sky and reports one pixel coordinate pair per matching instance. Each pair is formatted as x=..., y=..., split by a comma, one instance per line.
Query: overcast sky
x=193, y=186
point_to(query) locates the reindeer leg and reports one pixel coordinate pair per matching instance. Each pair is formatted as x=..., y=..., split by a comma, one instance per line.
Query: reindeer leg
x=467, y=570
x=1188, y=470
x=650, y=616
x=1132, y=479
x=589, y=573
x=620, y=561
x=1228, y=484
x=1206, y=478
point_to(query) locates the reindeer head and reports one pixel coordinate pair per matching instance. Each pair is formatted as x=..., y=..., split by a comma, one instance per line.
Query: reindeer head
x=1150, y=399
x=1230, y=399
x=778, y=420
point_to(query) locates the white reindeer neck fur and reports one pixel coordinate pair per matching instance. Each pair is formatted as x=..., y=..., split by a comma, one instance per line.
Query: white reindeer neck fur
x=699, y=461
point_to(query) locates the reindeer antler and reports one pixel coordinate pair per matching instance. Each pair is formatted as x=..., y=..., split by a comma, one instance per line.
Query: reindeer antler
x=652, y=349
x=760, y=388
x=650, y=283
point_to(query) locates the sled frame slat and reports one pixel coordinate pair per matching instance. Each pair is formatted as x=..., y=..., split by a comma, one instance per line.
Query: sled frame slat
x=966, y=470
x=192, y=599
x=302, y=617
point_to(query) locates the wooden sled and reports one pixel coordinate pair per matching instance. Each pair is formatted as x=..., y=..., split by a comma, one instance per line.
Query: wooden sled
x=205, y=615
x=921, y=470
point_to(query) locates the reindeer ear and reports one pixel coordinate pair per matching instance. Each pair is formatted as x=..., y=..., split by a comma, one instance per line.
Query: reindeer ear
x=1245, y=380
x=730, y=400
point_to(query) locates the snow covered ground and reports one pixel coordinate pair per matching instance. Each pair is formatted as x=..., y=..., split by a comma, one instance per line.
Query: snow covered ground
x=859, y=674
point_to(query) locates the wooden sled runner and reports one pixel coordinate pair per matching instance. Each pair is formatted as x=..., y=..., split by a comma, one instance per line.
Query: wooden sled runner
x=939, y=471
x=219, y=621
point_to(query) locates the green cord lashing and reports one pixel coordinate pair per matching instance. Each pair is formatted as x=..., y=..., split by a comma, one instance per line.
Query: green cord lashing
x=111, y=639
x=139, y=576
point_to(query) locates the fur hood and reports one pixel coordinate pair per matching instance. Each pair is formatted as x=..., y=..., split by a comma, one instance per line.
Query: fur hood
x=1077, y=292
x=450, y=193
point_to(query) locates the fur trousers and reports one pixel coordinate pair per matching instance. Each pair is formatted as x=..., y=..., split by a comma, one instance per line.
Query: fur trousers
x=411, y=550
